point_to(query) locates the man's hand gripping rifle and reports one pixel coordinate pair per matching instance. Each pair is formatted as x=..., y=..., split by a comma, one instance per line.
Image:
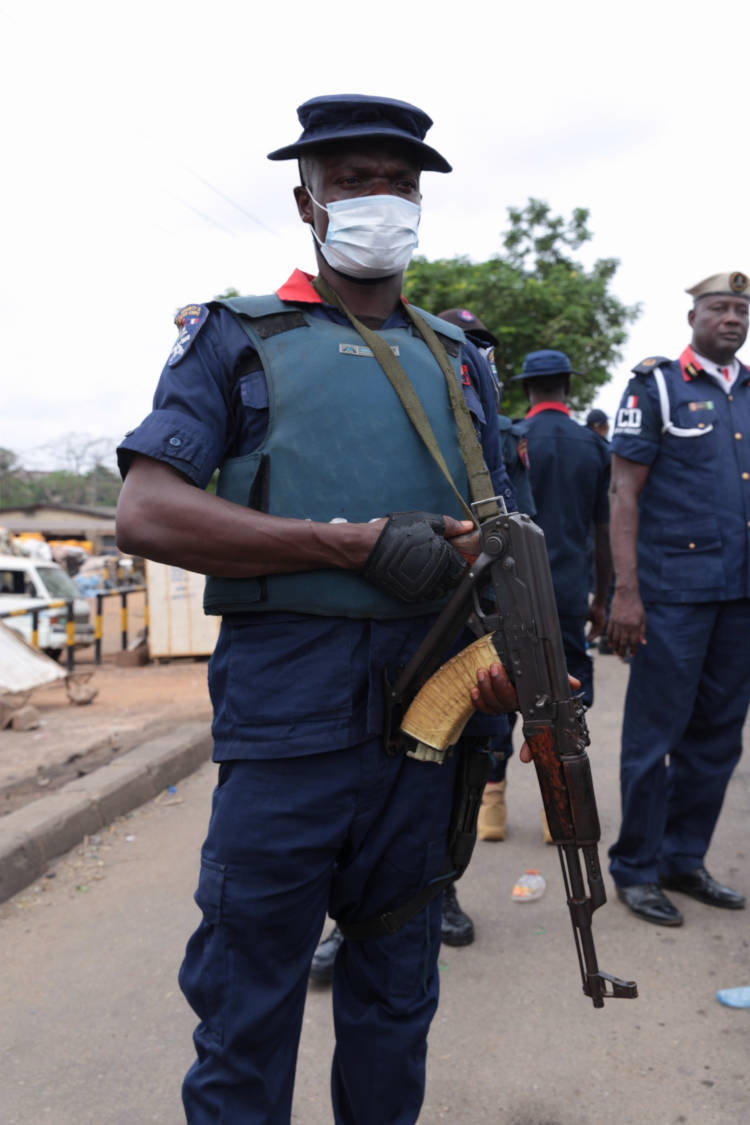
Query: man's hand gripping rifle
x=522, y=632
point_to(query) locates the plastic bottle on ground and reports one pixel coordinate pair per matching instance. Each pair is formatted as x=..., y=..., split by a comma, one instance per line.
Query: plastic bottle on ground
x=529, y=887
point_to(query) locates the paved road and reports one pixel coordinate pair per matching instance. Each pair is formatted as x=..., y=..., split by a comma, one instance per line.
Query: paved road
x=95, y=1031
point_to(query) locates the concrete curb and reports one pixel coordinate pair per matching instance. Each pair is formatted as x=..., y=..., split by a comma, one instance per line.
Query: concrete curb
x=50, y=826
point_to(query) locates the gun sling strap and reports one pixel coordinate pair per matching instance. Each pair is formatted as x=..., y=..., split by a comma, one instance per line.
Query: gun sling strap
x=474, y=764
x=480, y=485
x=471, y=775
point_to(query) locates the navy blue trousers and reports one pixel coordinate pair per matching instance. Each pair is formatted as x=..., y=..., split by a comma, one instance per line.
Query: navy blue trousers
x=500, y=747
x=579, y=663
x=685, y=707
x=351, y=833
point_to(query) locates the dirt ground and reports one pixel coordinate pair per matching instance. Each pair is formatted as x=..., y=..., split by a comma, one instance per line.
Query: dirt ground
x=72, y=739
x=96, y=1031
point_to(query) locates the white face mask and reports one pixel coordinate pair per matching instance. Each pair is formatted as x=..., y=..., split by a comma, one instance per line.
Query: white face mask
x=370, y=235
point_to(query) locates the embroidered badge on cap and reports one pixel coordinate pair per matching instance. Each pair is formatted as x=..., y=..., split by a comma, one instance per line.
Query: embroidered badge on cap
x=189, y=320
x=738, y=282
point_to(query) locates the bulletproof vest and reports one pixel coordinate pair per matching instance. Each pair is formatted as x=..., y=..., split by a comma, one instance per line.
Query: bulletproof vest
x=339, y=446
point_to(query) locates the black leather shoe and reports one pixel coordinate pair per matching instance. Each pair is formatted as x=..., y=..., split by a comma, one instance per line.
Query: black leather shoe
x=457, y=928
x=321, y=969
x=699, y=884
x=650, y=903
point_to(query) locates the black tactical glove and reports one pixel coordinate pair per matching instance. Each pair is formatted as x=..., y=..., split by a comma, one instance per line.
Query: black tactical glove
x=412, y=561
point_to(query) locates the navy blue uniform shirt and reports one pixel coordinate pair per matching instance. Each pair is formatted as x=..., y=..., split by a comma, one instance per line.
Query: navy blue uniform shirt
x=284, y=684
x=569, y=467
x=694, y=510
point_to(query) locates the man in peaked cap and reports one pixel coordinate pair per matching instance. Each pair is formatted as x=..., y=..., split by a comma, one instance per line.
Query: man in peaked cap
x=569, y=468
x=332, y=542
x=681, y=607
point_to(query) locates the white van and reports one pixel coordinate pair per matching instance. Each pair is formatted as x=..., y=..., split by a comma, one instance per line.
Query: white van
x=26, y=583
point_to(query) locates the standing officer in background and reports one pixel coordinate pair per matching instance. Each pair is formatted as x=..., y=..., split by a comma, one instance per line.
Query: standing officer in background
x=598, y=421
x=304, y=399
x=680, y=539
x=569, y=467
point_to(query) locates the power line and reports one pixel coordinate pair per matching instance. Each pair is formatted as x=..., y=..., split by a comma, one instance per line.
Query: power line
x=232, y=202
x=202, y=214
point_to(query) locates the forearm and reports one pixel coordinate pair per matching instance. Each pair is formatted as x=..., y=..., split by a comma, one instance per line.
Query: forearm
x=623, y=531
x=628, y=481
x=162, y=517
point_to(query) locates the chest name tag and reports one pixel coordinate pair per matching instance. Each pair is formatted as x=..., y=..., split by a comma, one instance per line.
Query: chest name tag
x=362, y=349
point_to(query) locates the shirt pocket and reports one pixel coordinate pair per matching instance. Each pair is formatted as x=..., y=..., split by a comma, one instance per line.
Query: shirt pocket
x=696, y=442
x=254, y=390
x=276, y=679
x=692, y=556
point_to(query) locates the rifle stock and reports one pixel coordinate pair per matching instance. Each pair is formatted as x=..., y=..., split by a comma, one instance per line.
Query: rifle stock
x=522, y=631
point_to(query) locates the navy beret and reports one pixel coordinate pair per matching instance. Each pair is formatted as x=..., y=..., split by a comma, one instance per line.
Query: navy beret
x=596, y=417
x=351, y=117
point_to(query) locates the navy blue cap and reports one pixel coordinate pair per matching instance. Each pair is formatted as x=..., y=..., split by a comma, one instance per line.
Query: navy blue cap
x=596, y=417
x=544, y=363
x=352, y=117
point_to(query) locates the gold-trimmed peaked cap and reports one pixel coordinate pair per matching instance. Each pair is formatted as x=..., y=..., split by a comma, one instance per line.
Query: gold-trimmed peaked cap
x=735, y=284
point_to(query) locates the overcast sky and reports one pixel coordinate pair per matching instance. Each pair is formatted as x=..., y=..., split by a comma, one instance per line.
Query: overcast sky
x=133, y=144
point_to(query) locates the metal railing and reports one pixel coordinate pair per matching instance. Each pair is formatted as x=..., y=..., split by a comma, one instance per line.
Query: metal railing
x=123, y=593
x=70, y=624
x=43, y=607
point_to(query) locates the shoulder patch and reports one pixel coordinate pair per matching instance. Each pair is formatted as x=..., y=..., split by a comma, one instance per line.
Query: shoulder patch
x=189, y=321
x=646, y=366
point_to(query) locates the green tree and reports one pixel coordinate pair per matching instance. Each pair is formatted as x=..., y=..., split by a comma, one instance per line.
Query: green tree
x=83, y=477
x=535, y=295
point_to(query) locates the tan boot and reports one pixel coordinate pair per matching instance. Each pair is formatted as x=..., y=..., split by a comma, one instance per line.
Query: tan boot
x=545, y=829
x=492, y=813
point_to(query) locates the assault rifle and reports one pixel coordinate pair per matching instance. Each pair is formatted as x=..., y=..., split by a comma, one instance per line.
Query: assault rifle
x=430, y=705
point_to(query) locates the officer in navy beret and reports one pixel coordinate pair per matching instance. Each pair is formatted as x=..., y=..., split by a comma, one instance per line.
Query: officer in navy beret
x=681, y=607
x=569, y=469
x=332, y=542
